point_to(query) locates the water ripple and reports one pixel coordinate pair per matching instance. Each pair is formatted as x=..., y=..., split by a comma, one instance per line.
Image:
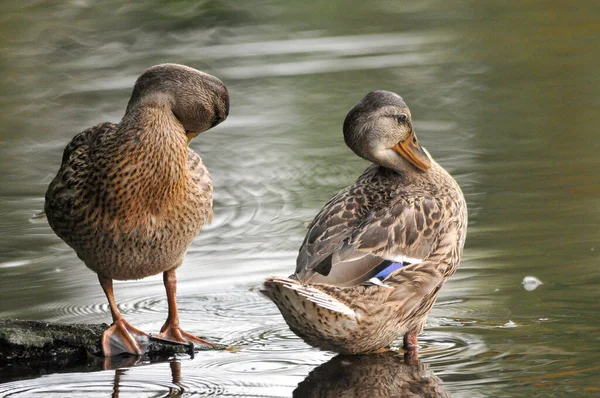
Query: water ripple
x=145, y=381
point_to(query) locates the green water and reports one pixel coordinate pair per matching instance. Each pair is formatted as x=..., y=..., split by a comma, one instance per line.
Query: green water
x=504, y=95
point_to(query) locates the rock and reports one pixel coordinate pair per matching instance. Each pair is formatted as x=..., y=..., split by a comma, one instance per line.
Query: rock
x=44, y=340
x=30, y=348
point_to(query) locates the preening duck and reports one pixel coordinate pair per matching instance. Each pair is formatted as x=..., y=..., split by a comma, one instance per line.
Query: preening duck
x=375, y=257
x=129, y=198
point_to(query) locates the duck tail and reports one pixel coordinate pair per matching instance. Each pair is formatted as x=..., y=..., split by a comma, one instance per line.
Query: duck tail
x=296, y=301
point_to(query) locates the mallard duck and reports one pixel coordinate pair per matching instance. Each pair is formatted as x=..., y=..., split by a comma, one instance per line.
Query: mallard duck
x=131, y=197
x=375, y=257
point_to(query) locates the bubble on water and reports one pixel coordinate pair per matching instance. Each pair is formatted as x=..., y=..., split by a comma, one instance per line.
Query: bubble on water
x=531, y=283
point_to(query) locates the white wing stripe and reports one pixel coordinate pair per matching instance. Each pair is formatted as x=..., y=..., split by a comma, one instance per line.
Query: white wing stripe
x=321, y=299
x=401, y=258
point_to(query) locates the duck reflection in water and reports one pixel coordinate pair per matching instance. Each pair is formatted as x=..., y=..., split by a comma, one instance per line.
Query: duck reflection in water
x=389, y=374
x=175, y=366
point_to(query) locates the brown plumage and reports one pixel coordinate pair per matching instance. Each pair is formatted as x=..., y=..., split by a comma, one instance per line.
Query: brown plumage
x=131, y=197
x=405, y=209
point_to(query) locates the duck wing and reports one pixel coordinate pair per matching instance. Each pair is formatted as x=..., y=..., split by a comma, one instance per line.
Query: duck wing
x=317, y=260
x=203, y=181
x=71, y=179
x=364, y=228
x=404, y=231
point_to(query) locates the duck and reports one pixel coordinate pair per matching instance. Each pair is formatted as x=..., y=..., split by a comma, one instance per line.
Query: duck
x=130, y=198
x=375, y=257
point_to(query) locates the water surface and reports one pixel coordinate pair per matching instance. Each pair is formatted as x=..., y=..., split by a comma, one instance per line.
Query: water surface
x=504, y=96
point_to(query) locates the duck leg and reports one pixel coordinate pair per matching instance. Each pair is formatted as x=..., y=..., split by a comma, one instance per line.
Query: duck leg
x=121, y=337
x=411, y=347
x=171, y=331
x=410, y=342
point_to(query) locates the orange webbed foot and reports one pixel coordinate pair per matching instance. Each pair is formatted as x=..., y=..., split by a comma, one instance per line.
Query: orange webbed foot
x=122, y=338
x=174, y=334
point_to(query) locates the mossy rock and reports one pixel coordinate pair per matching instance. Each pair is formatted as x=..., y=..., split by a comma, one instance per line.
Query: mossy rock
x=31, y=348
x=44, y=340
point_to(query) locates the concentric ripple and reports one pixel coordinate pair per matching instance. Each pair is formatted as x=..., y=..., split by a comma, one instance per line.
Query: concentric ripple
x=64, y=311
x=210, y=375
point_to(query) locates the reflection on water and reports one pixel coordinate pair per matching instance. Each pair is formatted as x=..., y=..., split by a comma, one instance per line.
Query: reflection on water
x=380, y=375
x=173, y=390
x=503, y=95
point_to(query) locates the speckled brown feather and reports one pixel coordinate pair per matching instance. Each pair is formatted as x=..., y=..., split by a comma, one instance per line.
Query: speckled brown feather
x=359, y=319
x=393, y=212
x=384, y=215
x=131, y=197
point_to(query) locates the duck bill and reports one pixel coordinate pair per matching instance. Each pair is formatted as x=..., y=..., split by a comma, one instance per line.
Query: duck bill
x=191, y=135
x=410, y=150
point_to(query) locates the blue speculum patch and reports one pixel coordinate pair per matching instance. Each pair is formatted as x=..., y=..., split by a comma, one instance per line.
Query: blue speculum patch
x=387, y=271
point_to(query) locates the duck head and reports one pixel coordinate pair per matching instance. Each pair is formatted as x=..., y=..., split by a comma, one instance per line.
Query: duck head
x=198, y=100
x=379, y=128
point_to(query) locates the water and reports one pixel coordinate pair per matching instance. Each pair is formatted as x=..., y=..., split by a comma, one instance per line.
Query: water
x=503, y=95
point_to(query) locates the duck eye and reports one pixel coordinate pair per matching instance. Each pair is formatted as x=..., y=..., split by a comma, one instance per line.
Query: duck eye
x=402, y=118
x=216, y=120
